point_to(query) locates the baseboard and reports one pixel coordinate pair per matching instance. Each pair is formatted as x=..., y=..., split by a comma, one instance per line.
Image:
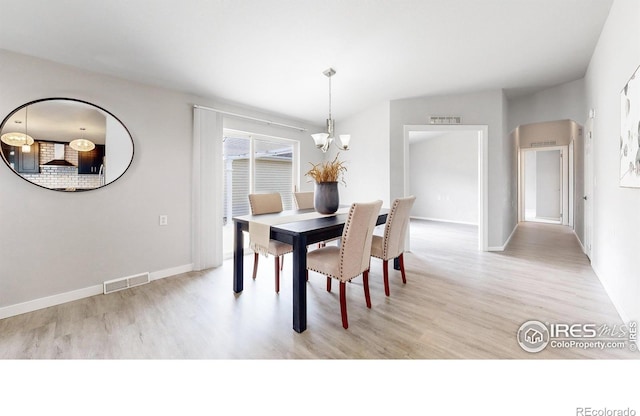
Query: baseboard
x=34, y=305
x=41, y=303
x=441, y=220
x=621, y=313
x=584, y=250
x=504, y=246
x=161, y=274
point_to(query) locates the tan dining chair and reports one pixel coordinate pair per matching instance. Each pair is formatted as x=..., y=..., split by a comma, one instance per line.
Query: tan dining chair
x=391, y=244
x=304, y=200
x=353, y=256
x=269, y=203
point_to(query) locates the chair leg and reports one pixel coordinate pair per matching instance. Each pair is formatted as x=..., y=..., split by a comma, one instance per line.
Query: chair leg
x=401, y=261
x=277, y=264
x=328, y=284
x=256, y=256
x=365, y=280
x=343, y=305
x=282, y=262
x=307, y=274
x=385, y=274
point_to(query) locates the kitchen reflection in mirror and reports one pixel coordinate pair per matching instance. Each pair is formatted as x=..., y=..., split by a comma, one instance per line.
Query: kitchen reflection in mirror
x=65, y=144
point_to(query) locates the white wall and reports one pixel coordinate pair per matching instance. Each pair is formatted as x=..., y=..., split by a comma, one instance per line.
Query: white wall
x=444, y=177
x=481, y=108
x=564, y=101
x=367, y=162
x=616, y=217
x=73, y=241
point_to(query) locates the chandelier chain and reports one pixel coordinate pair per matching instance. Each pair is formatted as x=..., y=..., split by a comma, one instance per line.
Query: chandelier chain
x=26, y=123
x=329, y=98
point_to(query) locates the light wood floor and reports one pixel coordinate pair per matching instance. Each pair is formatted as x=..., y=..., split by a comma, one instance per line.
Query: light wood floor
x=457, y=303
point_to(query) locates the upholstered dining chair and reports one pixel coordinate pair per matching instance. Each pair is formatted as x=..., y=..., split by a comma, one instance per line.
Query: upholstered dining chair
x=304, y=200
x=268, y=203
x=391, y=244
x=353, y=256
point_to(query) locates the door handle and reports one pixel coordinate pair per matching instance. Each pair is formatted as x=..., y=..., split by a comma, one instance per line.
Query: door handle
x=584, y=197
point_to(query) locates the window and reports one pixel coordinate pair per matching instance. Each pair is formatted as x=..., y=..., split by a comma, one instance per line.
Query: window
x=255, y=163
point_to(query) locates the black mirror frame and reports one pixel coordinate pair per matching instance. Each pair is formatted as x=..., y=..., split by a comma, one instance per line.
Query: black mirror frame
x=4, y=121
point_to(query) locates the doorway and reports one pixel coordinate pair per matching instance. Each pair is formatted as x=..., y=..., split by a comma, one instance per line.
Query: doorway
x=444, y=176
x=544, y=185
x=481, y=133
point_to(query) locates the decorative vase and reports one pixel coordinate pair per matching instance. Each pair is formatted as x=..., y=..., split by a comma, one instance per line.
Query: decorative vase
x=326, y=198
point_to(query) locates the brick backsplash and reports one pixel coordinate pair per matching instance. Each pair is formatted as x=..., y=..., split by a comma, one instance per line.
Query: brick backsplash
x=62, y=177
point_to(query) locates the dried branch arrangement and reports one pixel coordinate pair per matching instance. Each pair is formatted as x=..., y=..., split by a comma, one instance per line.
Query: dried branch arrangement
x=328, y=171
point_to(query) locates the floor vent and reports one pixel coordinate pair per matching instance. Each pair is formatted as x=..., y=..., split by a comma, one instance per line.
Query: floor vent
x=126, y=282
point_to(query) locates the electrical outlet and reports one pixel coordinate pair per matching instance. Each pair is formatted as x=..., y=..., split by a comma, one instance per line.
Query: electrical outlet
x=164, y=220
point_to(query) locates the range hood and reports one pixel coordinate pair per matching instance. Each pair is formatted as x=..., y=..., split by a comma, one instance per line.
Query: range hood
x=58, y=156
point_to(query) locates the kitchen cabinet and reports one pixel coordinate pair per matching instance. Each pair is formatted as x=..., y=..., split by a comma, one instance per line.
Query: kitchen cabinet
x=90, y=162
x=23, y=162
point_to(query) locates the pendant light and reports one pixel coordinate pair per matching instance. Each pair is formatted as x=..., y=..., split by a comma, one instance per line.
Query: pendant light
x=324, y=140
x=82, y=144
x=18, y=139
x=26, y=147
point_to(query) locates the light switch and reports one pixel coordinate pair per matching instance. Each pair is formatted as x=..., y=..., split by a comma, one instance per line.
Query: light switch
x=164, y=219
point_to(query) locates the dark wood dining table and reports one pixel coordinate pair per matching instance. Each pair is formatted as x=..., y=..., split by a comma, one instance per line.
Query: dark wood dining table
x=300, y=234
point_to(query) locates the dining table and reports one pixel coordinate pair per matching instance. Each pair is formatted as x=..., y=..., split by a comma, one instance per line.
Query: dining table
x=299, y=228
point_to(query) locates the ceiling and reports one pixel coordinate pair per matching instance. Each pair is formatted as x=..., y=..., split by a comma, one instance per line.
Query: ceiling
x=59, y=121
x=270, y=54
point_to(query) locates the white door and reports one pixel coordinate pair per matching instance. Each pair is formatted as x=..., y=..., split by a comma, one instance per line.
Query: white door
x=544, y=192
x=588, y=186
x=549, y=185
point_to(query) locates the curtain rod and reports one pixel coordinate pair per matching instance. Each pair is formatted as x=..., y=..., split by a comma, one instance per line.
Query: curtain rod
x=249, y=118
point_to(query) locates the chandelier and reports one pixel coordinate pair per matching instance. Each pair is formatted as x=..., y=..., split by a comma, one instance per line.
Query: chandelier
x=324, y=140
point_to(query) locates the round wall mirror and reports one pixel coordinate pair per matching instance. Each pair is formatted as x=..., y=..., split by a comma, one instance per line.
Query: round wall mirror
x=65, y=144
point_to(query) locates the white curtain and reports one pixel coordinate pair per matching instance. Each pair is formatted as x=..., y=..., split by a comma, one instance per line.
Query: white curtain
x=208, y=176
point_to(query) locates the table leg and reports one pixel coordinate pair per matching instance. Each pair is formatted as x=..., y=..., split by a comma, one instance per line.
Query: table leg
x=396, y=263
x=300, y=283
x=238, y=258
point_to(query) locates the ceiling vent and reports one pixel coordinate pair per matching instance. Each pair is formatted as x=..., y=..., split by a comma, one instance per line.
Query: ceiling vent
x=445, y=120
x=544, y=144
